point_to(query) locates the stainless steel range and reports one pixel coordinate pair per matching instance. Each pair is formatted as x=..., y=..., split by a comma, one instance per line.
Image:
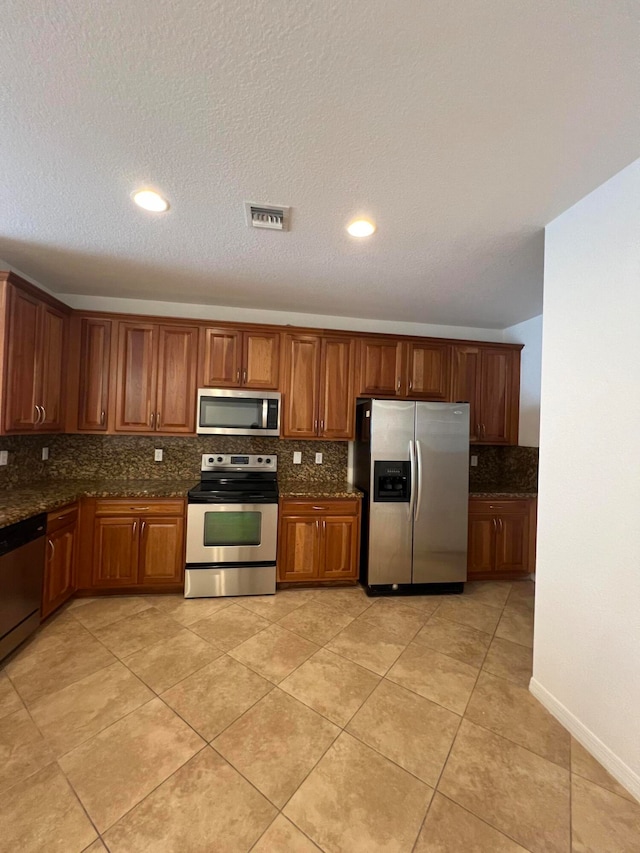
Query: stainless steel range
x=232, y=527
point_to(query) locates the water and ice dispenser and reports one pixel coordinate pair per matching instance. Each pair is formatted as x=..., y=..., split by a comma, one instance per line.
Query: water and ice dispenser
x=391, y=482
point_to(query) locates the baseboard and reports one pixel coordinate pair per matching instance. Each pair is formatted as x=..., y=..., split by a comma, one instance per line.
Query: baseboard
x=609, y=760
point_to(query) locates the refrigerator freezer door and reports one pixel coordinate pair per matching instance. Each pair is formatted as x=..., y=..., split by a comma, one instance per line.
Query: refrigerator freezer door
x=440, y=527
x=390, y=524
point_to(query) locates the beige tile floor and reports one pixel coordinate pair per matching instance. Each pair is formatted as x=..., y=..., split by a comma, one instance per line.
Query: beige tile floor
x=312, y=720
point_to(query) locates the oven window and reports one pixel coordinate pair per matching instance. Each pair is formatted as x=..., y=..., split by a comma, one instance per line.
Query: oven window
x=232, y=528
x=231, y=412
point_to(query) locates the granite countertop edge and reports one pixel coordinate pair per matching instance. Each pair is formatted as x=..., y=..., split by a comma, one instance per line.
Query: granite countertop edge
x=504, y=494
x=329, y=489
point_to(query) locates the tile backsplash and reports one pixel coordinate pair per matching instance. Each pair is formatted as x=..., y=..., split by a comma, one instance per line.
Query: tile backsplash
x=504, y=469
x=132, y=457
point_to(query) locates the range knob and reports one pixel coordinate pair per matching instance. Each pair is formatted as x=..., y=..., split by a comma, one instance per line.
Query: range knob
x=268, y=461
x=259, y=459
x=219, y=459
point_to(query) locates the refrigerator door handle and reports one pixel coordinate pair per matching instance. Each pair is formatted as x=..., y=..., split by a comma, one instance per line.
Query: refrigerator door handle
x=419, y=485
x=413, y=475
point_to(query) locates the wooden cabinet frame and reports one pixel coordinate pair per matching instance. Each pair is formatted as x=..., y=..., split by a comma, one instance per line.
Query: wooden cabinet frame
x=239, y=358
x=501, y=542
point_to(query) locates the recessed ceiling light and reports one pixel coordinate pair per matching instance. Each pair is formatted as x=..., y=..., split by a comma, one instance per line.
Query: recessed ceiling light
x=361, y=228
x=150, y=200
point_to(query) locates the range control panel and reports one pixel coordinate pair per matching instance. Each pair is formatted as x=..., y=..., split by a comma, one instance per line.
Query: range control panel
x=391, y=482
x=239, y=462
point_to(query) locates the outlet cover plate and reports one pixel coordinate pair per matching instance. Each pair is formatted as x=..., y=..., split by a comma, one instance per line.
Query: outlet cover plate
x=318, y=458
x=4, y=457
x=45, y=454
x=157, y=454
x=297, y=457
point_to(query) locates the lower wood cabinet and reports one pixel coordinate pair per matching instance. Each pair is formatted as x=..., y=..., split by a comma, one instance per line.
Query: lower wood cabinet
x=501, y=539
x=319, y=541
x=59, y=572
x=134, y=544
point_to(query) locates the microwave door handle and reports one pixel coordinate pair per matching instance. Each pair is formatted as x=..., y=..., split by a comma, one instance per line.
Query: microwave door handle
x=265, y=410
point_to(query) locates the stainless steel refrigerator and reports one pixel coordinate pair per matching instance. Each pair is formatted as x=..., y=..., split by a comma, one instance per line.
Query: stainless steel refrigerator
x=412, y=461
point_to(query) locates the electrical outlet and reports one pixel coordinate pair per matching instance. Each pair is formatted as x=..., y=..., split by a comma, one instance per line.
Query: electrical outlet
x=157, y=454
x=318, y=458
x=45, y=454
x=474, y=461
x=297, y=457
x=4, y=457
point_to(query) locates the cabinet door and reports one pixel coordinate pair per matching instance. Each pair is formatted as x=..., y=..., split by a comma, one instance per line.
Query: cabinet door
x=380, y=367
x=115, y=551
x=339, y=555
x=22, y=346
x=481, y=544
x=261, y=360
x=428, y=370
x=464, y=384
x=222, y=350
x=301, y=386
x=95, y=353
x=496, y=400
x=512, y=543
x=299, y=548
x=59, y=580
x=135, y=406
x=337, y=388
x=50, y=386
x=176, y=391
x=161, y=550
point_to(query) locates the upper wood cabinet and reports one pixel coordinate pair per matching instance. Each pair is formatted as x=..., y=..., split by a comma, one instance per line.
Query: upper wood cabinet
x=35, y=334
x=156, y=378
x=380, y=367
x=95, y=355
x=239, y=359
x=488, y=378
x=319, y=387
x=416, y=369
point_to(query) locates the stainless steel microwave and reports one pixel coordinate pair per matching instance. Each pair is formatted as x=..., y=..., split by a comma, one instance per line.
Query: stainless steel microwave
x=227, y=411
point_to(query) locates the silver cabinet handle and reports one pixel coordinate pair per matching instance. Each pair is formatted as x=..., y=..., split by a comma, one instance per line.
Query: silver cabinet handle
x=44, y=414
x=244, y=377
x=157, y=420
x=37, y=417
x=495, y=525
x=102, y=417
x=398, y=384
x=315, y=426
x=322, y=426
x=478, y=431
x=484, y=431
x=142, y=526
x=238, y=376
x=139, y=508
x=153, y=414
x=319, y=507
x=500, y=523
x=53, y=549
x=410, y=385
x=41, y=414
x=135, y=524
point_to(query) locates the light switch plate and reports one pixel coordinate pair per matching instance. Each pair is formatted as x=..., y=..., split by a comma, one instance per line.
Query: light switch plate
x=45, y=454
x=157, y=454
x=318, y=458
x=297, y=457
x=4, y=457
x=474, y=461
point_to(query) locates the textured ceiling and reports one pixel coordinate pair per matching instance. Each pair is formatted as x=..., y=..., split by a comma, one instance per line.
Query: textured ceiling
x=462, y=128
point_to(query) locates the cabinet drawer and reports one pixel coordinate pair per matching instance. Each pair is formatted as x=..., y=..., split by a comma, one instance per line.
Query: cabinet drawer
x=499, y=506
x=139, y=507
x=61, y=517
x=333, y=506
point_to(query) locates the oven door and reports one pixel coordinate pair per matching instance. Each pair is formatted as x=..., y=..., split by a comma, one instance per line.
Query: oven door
x=231, y=533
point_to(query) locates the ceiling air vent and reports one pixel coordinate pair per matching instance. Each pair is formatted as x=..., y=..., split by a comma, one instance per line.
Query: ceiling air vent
x=271, y=216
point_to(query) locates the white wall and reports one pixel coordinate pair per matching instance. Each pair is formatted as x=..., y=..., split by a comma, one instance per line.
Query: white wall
x=529, y=333
x=587, y=635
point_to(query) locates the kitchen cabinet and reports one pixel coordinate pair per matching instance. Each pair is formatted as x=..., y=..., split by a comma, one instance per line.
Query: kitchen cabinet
x=137, y=543
x=488, y=378
x=35, y=334
x=501, y=538
x=95, y=359
x=417, y=369
x=59, y=572
x=319, y=541
x=156, y=378
x=319, y=387
x=232, y=358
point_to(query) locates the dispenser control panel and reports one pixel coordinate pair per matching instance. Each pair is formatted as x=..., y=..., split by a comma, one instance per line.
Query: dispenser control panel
x=391, y=481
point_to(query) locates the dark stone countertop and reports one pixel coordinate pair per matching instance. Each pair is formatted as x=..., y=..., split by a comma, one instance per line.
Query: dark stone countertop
x=23, y=502
x=504, y=494
x=317, y=490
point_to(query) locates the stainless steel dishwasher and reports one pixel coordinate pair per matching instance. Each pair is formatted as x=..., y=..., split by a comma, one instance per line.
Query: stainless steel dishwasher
x=22, y=557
